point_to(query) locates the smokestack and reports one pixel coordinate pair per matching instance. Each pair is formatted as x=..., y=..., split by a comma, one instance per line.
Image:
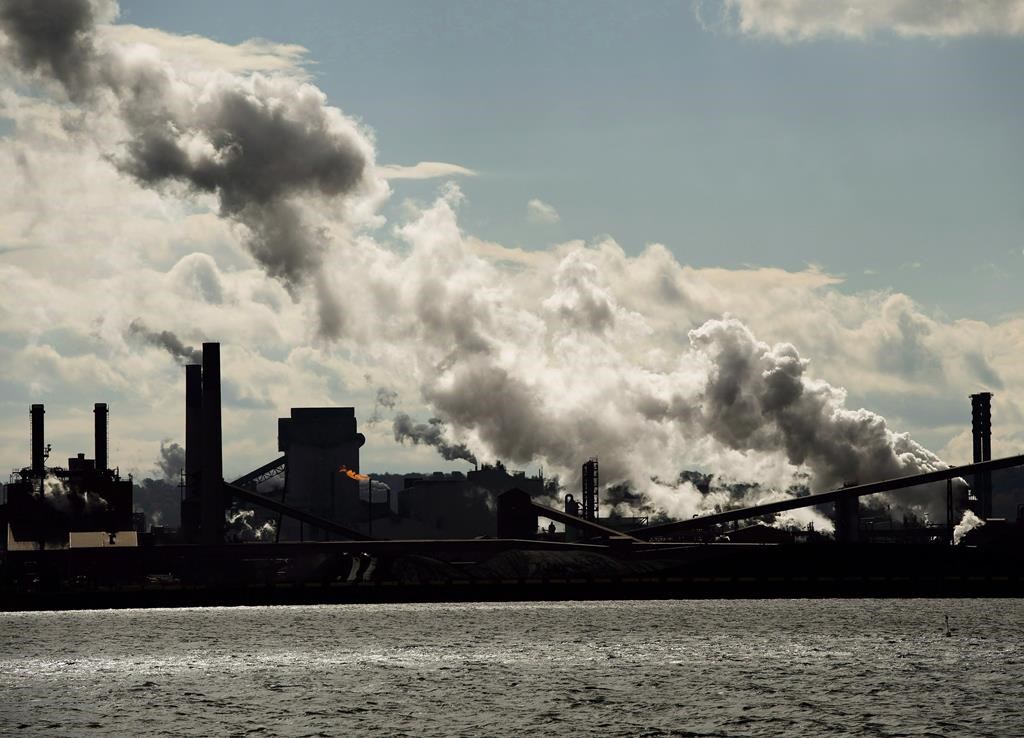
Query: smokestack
x=100, y=435
x=212, y=476
x=981, y=434
x=981, y=425
x=191, y=512
x=38, y=452
x=590, y=485
x=193, y=429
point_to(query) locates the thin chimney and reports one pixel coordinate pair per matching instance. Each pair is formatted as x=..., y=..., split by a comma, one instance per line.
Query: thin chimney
x=212, y=478
x=981, y=434
x=38, y=449
x=193, y=429
x=100, y=435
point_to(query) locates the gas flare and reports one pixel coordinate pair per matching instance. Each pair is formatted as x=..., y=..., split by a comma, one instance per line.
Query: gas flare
x=353, y=475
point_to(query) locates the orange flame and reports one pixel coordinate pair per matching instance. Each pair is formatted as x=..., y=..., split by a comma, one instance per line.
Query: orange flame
x=353, y=475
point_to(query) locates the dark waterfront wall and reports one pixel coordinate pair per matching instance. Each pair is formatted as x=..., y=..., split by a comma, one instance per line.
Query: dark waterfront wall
x=391, y=572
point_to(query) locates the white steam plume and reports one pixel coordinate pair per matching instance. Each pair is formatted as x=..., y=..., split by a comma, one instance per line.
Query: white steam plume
x=967, y=523
x=240, y=527
x=60, y=497
x=549, y=363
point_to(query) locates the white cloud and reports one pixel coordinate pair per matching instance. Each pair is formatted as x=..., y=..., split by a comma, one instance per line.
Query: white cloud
x=538, y=211
x=424, y=170
x=198, y=52
x=799, y=20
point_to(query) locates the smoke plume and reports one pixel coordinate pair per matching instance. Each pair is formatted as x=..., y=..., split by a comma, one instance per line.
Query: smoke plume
x=431, y=433
x=967, y=523
x=240, y=527
x=172, y=460
x=61, y=497
x=53, y=38
x=266, y=147
x=757, y=398
x=168, y=342
x=160, y=499
x=386, y=400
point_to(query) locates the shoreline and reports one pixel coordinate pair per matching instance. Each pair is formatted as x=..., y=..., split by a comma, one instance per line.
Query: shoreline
x=552, y=589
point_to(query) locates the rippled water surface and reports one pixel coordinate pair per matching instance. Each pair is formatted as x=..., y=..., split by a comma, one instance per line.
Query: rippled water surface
x=730, y=668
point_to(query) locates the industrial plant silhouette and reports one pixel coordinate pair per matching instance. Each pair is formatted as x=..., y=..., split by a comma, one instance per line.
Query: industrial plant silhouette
x=327, y=534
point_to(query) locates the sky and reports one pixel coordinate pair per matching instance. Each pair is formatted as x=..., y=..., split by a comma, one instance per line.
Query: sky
x=558, y=227
x=891, y=161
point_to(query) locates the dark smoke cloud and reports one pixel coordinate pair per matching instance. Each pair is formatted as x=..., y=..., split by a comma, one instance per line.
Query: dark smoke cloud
x=386, y=397
x=172, y=460
x=53, y=38
x=430, y=433
x=386, y=400
x=168, y=342
x=507, y=414
x=264, y=149
x=262, y=145
x=159, y=500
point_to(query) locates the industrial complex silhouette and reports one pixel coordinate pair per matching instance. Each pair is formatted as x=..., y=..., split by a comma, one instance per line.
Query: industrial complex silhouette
x=328, y=534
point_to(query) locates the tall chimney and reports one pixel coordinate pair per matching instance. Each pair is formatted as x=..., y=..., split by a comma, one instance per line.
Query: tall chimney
x=981, y=425
x=212, y=477
x=38, y=468
x=100, y=435
x=193, y=429
x=590, y=485
x=981, y=434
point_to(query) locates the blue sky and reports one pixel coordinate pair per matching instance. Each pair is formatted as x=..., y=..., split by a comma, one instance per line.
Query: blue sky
x=893, y=161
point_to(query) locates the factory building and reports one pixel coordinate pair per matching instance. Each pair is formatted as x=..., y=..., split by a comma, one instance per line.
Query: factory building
x=320, y=445
x=83, y=504
x=453, y=505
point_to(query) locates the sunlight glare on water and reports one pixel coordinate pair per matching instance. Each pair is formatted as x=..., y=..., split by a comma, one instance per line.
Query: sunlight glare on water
x=731, y=668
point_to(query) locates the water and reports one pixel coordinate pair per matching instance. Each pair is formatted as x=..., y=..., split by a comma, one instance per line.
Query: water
x=724, y=668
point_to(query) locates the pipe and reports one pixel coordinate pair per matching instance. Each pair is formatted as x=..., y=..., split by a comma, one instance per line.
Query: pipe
x=100, y=435
x=38, y=450
x=212, y=475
